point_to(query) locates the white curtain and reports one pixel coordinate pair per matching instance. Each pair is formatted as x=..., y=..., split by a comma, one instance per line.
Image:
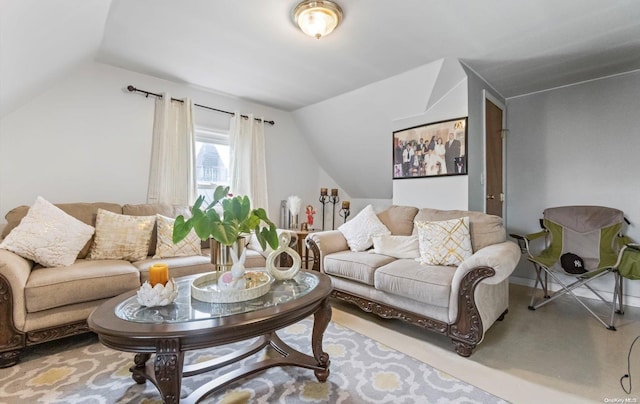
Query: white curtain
x=172, y=178
x=248, y=160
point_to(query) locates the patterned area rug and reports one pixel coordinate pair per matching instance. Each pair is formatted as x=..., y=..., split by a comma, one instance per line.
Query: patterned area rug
x=81, y=370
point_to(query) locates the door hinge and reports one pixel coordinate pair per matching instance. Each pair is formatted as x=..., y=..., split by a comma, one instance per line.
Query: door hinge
x=501, y=197
x=503, y=133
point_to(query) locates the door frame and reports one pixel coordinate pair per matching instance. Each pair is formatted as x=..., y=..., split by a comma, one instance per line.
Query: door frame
x=488, y=96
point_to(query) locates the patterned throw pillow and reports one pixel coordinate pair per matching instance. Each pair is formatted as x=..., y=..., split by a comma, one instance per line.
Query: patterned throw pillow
x=121, y=237
x=358, y=231
x=48, y=235
x=444, y=243
x=165, y=248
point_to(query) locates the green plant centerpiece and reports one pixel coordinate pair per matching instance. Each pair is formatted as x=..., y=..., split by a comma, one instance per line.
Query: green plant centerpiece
x=226, y=219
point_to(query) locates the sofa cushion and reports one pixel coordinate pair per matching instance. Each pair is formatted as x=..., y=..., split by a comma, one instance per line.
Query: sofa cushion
x=85, y=212
x=48, y=235
x=165, y=247
x=121, y=236
x=398, y=219
x=445, y=242
x=358, y=231
x=149, y=209
x=484, y=229
x=178, y=266
x=409, y=278
x=83, y=281
x=357, y=266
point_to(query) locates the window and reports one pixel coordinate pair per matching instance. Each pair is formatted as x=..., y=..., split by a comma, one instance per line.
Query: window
x=212, y=161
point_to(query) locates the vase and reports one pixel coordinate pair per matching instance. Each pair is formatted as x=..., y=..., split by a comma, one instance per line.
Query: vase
x=222, y=255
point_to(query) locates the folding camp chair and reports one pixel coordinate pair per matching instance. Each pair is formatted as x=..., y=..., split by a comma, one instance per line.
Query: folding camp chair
x=583, y=243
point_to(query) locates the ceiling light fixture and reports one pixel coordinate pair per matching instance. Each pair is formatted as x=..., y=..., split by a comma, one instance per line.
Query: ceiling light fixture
x=317, y=18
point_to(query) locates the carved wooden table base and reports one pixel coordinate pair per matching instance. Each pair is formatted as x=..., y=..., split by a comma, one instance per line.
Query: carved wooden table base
x=166, y=370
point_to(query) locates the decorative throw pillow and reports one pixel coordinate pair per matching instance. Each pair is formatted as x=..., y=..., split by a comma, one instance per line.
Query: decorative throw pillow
x=165, y=247
x=48, y=235
x=396, y=246
x=358, y=231
x=121, y=237
x=444, y=243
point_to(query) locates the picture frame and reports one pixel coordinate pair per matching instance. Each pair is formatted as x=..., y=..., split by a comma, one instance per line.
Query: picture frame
x=434, y=149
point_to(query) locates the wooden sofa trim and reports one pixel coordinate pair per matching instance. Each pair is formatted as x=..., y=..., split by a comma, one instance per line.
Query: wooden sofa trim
x=466, y=332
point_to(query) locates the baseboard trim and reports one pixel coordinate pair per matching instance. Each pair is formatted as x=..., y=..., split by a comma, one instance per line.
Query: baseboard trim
x=626, y=299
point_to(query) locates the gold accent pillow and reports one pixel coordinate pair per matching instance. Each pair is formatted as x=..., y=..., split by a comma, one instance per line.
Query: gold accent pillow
x=48, y=235
x=190, y=245
x=121, y=237
x=444, y=243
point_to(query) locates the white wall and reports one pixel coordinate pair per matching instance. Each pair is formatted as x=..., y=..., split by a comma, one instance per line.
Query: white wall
x=576, y=145
x=351, y=135
x=437, y=192
x=88, y=139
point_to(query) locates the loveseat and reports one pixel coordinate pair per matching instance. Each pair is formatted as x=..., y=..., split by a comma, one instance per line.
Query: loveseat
x=40, y=304
x=460, y=301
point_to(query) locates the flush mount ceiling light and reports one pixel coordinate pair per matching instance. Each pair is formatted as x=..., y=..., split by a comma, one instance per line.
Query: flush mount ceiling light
x=317, y=18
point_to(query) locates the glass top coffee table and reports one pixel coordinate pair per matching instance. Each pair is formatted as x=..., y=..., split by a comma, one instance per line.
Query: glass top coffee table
x=189, y=324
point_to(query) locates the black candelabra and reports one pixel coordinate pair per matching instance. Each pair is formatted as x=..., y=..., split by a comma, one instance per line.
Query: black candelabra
x=334, y=199
x=345, y=212
x=324, y=198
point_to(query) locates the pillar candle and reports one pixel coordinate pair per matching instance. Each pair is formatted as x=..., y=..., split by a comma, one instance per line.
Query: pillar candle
x=158, y=273
x=334, y=192
x=323, y=191
x=345, y=204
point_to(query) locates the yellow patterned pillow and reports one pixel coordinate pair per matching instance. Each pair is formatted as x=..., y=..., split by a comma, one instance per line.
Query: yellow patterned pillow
x=444, y=243
x=121, y=237
x=165, y=248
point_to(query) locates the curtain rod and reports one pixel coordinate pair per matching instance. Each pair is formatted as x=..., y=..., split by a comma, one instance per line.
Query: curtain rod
x=148, y=93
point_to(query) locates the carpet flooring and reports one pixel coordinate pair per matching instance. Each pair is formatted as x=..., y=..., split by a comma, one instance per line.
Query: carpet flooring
x=81, y=370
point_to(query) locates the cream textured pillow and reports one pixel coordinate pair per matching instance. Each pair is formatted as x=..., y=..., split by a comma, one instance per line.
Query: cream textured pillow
x=444, y=243
x=358, y=231
x=396, y=246
x=190, y=245
x=121, y=237
x=48, y=235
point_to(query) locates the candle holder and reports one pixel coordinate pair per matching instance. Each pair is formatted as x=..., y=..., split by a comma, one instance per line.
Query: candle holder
x=334, y=199
x=324, y=198
x=344, y=212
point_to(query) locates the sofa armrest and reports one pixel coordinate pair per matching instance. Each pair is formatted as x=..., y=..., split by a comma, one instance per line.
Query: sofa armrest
x=502, y=257
x=14, y=273
x=323, y=243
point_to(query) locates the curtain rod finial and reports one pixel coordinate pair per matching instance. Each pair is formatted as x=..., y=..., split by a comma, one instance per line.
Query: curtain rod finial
x=131, y=88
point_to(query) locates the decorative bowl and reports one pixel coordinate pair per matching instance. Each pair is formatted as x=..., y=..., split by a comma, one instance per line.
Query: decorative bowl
x=205, y=288
x=159, y=295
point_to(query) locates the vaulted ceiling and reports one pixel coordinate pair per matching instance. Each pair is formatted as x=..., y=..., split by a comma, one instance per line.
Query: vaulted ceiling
x=251, y=49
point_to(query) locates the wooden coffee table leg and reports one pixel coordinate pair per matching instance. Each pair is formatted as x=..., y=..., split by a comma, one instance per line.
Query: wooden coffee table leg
x=140, y=361
x=168, y=369
x=320, y=323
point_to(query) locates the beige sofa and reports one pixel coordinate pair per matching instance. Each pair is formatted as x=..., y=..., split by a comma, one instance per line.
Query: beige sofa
x=42, y=304
x=460, y=302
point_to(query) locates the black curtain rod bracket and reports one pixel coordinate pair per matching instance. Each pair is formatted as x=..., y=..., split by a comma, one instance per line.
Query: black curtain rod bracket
x=148, y=93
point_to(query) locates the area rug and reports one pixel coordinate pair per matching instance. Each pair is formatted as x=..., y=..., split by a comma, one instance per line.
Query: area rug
x=82, y=370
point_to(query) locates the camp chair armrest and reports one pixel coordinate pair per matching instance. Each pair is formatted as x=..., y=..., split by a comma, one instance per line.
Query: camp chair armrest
x=524, y=240
x=502, y=257
x=635, y=247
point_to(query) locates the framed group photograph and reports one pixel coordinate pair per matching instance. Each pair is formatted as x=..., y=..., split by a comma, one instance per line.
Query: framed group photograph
x=431, y=150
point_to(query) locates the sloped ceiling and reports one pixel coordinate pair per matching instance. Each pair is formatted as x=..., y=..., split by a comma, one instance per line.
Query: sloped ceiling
x=251, y=49
x=41, y=41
